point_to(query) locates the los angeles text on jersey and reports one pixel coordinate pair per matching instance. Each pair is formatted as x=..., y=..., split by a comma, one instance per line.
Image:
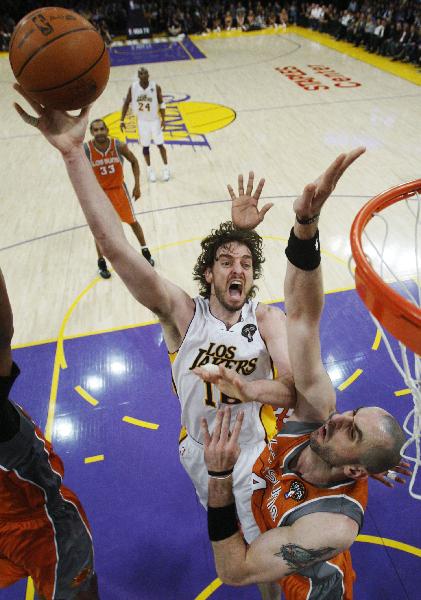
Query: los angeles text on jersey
x=224, y=355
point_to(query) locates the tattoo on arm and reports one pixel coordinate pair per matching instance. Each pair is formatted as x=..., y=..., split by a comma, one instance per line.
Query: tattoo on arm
x=299, y=558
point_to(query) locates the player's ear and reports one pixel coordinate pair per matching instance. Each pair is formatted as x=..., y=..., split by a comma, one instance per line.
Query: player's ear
x=208, y=275
x=356, y=471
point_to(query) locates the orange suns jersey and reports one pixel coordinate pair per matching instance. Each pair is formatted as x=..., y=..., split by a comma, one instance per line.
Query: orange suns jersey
x=107, y=165
x=281, y=497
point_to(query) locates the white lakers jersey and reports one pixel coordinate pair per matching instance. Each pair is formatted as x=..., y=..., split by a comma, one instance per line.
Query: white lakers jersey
x=241, y=348
x=145, y=101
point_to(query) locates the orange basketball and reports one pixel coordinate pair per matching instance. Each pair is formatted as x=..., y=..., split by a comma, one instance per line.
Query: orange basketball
x=59, y=58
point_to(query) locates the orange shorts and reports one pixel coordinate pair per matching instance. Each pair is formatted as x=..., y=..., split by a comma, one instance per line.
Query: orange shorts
x=33, y=548
x=122, y=203
x=297, y=587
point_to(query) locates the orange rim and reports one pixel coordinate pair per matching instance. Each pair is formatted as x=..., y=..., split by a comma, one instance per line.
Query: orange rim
x=398, y=315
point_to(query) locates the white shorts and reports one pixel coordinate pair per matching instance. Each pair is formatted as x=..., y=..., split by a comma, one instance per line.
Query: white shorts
x=150, y=130
x=192, y=459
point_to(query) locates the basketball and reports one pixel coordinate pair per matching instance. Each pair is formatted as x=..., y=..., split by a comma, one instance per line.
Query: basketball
x=59, y=58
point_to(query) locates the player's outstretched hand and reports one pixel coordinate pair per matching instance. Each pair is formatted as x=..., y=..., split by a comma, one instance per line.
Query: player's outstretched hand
x=244, y=211
x=393, y=474
x=62, y=130
x=315, y=194
x=222, y=448
x=228, y=381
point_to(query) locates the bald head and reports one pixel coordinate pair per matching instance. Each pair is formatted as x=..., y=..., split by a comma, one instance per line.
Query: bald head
x=143, y=75
x=366, y=440
x=384, y=450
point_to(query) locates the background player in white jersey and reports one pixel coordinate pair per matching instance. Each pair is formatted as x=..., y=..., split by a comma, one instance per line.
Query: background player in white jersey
x=145, y=98
x=223, y=326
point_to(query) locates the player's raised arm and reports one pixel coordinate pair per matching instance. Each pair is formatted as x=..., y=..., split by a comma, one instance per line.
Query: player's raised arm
x=66, y=133
x=304, y=295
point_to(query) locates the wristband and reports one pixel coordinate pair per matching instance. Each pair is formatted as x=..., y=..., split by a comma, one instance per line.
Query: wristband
x=220, y=473
x=308, y=221
x=222, y=522
x=304, y=254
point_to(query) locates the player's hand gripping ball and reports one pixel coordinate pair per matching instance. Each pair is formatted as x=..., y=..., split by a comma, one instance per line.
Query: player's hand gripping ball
x=59, y=58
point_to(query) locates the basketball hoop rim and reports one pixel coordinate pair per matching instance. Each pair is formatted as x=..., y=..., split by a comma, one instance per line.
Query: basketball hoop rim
x=395, y=307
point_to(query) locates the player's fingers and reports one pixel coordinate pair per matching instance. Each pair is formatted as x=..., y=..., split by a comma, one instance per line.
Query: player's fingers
x=231, y=192
x=237, y=427
x=34, y=121
x=209, y=376
x=231, y=377
x=250, y=183
x=35, y=105
x=259, y=189
x=264, y=210
x=205, y=431
x=227, y=374
x=303, y=203
x=403, y=470
x=225, y=426
x=202, y=373
x=329, y=178
x=216, y=435
x=349, y=159
x=400, y=480
x=240, y=185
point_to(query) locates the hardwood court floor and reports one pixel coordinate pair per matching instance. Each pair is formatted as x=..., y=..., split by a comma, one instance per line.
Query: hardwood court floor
x=233, y=111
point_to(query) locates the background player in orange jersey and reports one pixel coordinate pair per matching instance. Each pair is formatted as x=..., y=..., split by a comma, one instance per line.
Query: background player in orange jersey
x=44, y=532
x=310, y=482
x=106, y=157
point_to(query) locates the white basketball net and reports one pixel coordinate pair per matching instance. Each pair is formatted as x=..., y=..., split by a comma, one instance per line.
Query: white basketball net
x=406, y=362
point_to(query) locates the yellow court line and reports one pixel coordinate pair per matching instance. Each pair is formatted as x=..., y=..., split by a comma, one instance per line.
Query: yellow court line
x=60, y=361
x=374, y=539
x=208, y=591
x=37, y=343
x=402, y=392
x=30, y=590
x=377, y=340
x=350, y=380
x=186, y=51
x=140, y=423
x=92, y=459
x=86, y=396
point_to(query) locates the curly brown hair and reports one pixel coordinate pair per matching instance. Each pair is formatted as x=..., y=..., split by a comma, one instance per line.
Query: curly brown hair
x=222, y=236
